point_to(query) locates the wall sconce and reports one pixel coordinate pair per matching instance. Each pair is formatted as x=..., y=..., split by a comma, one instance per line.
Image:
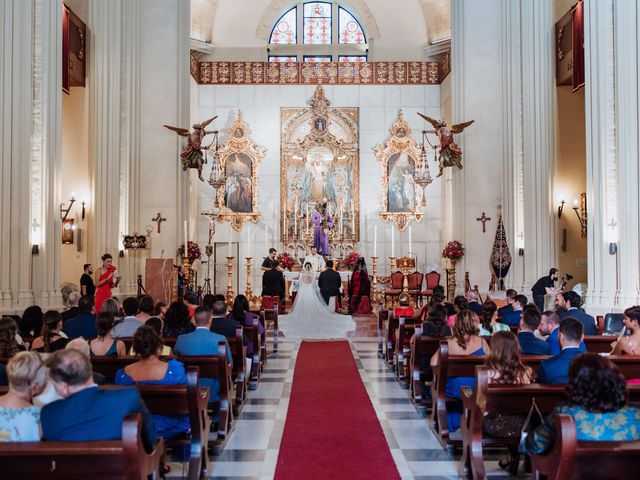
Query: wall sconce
x=560, y=208
x=35, y=249
x=83, y=209
x=65, y=211
x=580, y=207
x=613, y=248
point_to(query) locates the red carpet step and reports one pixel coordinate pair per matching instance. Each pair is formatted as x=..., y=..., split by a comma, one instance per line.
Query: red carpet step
x=331, y=431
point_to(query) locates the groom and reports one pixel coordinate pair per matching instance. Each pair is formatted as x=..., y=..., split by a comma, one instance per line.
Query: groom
x=329, y=283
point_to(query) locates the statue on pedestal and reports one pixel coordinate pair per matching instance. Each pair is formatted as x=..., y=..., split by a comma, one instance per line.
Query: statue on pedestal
x=322, y=223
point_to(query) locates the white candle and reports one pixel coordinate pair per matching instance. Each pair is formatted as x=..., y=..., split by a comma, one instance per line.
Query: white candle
x=185, y=238
x=284, y=213
x=353, y=220
x=375, y=241
x=295, y=219
x=249, y=253
x=230, y=237
x=307, y=205
x=410, y=239
x=266, y=236
x=393, y=242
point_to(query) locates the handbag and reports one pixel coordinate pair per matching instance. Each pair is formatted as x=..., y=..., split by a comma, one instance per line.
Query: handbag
x=530, y=424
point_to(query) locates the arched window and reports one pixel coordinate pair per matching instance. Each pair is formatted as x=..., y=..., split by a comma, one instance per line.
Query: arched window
x=318, y=40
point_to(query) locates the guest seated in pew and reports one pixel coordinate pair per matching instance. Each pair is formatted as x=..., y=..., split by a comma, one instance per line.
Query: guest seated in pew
x=508, y=308
x=221, y=323
x=572, y=304
x=465, y=341
x=8, y=341
x=30, y=323
x=105, y=344
x=112, y=305
x=150, y=370
x=460, y=304
x=506, y=368
x=241, y=313
x=88, y=413
x=176, y=321
x=439, y=296
x=529, y=343
x=84, y=323
x=597, y=401
x=549, y=326
x=472, y=302
x=145, y=308
x=160, y=310
x=435, y=324
x=191, y=301
x=156, y=324
x=489, y=320
x=513, y=317
x=555, y=370
x=19, y=418
x=52, y=338
x=629, y=345
x=129, y=324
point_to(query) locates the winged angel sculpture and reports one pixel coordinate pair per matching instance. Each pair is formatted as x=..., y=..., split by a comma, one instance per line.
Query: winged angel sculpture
x=191, y=154
x=450, y=152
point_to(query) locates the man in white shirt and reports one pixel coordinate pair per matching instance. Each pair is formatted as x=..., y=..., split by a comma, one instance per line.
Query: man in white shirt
x=317, y=261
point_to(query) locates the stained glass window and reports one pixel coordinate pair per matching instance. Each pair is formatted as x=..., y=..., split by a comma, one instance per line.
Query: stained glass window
x=317, y=23
x=349, y=28
x=283, y=58
x=352, y=58
x=317, y=58
x=284, y=31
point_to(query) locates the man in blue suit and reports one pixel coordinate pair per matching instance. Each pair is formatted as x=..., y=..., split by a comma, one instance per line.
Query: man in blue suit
x=513, y=317
x=88, y=413
x=84, y=324
x=472, y=303
x=556, y=369
x=549, y=325
x=202, y=341
x=572, y=303
x=508, y=308
x=529, y=343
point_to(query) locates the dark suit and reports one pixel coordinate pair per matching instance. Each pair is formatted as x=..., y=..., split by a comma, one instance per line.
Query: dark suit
x=587, y=321
x=95, y=414
x=512, y=318
x=531, y=345
x=329, y=283
x=554, y=343
x=69, y=314
x=225, y=326
x=476, y=308
x=556, y=369
x=84, y=325
x=273, y=283
x=507, y=309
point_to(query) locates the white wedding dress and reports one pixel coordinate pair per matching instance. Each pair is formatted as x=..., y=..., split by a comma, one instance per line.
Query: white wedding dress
x=310, y=317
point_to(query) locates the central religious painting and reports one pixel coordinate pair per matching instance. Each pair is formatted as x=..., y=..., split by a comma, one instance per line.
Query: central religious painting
x=319, y=171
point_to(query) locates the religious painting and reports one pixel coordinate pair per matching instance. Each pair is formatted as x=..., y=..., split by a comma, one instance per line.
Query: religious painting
x=239, y=160
x=398, y=157
x=320, y=179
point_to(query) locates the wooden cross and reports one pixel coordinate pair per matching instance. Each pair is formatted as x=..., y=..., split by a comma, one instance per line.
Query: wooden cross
x=484, y=219
x=158, y=220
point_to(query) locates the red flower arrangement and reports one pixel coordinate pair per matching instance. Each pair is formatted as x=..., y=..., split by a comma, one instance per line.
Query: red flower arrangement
x=351, y=260
x=454, y=250
x=193, y=251
x=285, y=260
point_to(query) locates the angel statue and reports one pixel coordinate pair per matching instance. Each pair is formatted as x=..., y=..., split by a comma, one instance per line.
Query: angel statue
x=192, y=152
x=450, y=152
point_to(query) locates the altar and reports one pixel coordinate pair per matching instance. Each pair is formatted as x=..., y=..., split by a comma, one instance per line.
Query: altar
x=291, y=281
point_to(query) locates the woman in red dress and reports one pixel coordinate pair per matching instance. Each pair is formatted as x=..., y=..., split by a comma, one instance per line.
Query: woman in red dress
x=360, y=290
x=105, y=280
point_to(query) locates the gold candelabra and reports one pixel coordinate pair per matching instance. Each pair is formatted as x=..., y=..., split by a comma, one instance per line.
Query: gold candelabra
x=230, y=294
x=187, y=271
x=392, y=265
x=248, y=290
x=374, y=281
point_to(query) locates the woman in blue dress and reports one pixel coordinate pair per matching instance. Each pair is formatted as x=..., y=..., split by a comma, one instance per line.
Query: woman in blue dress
x=465, y=341
x=151, y=370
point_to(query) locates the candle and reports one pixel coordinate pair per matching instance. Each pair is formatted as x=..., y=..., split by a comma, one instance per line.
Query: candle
x=307, y=205
x=410, y=239
x=284, y=213
x=375, y=241
x=295, y=219
x=185, y=238
x=393, y=242
x=266, y=236
x=249, y=253
x=230, y=237
x=353, y=219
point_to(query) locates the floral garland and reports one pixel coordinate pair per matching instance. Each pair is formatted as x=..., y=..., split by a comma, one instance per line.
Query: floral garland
x=193, y=251
x=285, y=260
x=351, y=260
x=454, y=250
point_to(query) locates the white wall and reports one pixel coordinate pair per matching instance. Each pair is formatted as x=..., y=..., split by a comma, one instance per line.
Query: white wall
x=379, y=106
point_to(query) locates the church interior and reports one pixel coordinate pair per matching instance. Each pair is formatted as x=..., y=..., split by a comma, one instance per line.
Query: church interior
x=337, y=238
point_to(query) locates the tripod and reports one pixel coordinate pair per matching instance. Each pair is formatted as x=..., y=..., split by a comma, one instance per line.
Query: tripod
x=206, y=284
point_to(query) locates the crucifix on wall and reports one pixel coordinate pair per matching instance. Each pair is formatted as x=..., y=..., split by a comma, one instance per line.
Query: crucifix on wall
x=484, y=219
x=158, y=220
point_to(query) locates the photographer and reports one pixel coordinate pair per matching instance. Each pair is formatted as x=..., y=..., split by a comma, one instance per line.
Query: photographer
x=544, y=286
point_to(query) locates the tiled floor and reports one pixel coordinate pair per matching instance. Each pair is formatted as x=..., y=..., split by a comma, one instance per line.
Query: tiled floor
x=251, y=451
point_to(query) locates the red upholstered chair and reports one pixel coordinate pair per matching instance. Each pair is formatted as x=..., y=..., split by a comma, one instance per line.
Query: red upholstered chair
x=269, y=301
x=414, y=281
x=397, y=278
x=432, y=281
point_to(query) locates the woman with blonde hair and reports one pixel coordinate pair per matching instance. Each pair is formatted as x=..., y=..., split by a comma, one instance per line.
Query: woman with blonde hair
x=19, y=418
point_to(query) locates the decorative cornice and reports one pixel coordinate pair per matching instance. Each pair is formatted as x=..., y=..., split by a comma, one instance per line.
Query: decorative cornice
x=272, y=73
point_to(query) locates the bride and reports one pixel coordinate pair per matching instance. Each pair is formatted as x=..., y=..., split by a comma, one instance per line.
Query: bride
x=310, y=316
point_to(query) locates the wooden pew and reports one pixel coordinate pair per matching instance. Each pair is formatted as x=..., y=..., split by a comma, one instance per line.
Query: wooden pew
x=259, y=353
x=573, y=459
x=406, y=328
x=383, y=316
x=599, y=343
x=269, y=316
x=420, y=347
x=110, y=459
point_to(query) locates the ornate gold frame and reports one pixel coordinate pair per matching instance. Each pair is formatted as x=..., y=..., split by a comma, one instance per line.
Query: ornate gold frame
x=238, y=141
x=399, y=142
x=320, y=117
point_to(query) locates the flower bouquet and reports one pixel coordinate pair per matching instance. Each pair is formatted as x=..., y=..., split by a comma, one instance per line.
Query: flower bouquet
x=285, y=260
x=351, y=260
x=193, y=251
x=453, y=251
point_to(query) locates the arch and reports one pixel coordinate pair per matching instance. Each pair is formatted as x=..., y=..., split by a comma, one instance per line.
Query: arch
x=437, y=19
x=278, y=7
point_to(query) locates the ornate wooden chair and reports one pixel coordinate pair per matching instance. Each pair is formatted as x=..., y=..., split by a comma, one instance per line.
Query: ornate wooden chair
x=432, y=280
x=397, y=278
x=414, y=281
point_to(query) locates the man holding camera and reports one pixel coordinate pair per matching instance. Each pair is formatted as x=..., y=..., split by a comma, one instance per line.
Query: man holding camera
x=545, y=285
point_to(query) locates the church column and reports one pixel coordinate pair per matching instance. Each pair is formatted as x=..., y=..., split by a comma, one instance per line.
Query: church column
x=185, y=187
x=627, y=231
x=538, y=82
x=601, y=151
x=46, y=159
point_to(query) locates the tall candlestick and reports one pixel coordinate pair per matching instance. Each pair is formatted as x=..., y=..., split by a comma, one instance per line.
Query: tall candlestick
x=393, y=242
x=307, y=205
x=375, y=241
x=186, y=253
x=295, y=220
x=410, y=239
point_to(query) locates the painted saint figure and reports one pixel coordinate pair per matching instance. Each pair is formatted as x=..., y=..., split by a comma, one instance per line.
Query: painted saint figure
x=191, y=154
x=322, y=223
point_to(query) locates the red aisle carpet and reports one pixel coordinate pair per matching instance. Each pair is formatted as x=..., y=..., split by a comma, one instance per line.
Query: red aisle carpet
x=331, y=431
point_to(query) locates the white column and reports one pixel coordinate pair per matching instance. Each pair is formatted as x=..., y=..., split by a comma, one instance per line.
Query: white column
x=601, y=151
x=627, y=231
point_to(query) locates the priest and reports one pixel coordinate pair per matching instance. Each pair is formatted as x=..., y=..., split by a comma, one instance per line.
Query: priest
x=316, y=261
